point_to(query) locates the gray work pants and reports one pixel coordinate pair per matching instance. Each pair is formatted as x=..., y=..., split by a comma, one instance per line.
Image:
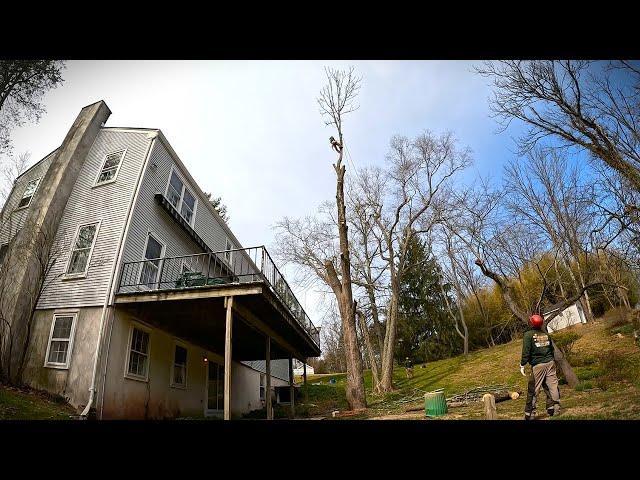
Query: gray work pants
x=544, y=376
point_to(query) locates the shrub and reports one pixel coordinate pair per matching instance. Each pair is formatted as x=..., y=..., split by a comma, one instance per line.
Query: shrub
x=615, y=367
x=565, y=342
x=580, y=359
x=582, y=386
x=588, y=373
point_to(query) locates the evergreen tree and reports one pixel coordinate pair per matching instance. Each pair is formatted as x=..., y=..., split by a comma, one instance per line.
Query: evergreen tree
x=424, y=330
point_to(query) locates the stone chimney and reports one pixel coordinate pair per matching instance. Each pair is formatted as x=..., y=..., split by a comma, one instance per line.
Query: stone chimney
x=32, y=244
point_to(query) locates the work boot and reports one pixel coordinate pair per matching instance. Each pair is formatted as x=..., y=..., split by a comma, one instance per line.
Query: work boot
x=529, y=416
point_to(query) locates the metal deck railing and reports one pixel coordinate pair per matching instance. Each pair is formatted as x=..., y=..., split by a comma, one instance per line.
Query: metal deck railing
x=242, y=265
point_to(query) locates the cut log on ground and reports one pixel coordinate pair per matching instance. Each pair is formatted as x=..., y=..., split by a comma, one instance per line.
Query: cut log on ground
x=499, y=396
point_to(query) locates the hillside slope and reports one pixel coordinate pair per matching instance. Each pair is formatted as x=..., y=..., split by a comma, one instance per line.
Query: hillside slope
x=607, y=364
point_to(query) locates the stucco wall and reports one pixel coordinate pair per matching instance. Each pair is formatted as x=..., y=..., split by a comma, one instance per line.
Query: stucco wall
x=156, y=398
x=72, y=383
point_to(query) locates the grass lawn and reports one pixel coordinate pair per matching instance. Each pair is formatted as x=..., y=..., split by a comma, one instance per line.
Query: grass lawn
x=18, y=404
x=600, y=395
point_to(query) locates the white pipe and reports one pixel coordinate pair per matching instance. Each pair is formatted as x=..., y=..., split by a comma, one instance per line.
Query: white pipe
x=114, y=270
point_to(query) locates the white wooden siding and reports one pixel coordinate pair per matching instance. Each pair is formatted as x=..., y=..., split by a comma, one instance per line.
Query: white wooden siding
x=148, y=216
x=107, y=203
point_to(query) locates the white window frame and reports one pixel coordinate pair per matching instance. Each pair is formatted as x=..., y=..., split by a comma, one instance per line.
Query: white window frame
x=177, y=343
x=262, y=389
x=228, y=255
x=144, y=259
x=127, y=374
x=72, y=334
x=104, y=161
x=68, y=275
x=38, y=180
x=185, y=185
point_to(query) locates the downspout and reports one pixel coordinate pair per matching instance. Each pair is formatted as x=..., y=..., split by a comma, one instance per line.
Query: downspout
x=114, y=271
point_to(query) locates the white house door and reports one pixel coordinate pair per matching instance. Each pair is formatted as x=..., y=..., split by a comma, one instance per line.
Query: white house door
x=215, y=390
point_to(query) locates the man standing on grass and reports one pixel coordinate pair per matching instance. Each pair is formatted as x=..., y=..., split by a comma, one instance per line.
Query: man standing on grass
x=408, y=365
x=537, y=350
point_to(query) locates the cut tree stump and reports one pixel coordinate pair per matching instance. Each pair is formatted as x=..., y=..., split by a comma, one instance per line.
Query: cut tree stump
x=489, y=406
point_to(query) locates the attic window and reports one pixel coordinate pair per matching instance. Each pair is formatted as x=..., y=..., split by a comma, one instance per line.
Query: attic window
x=32, y=186
x=110, y=167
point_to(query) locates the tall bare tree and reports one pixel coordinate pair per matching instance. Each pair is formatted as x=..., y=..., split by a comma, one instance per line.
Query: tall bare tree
x=22, y=85
x=337, y=99
x=590, y=105
x=551, y=197
x=406, y=204
x=11, y=169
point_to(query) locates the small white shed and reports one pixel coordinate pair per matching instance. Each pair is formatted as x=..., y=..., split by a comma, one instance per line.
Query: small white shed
x=569, y=316
x=298, y=369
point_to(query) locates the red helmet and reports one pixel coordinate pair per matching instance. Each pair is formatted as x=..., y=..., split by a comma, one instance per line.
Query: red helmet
x=536, y=321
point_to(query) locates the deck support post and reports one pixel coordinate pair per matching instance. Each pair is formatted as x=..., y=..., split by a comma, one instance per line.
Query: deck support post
x=267, y=390
x=291, y=389
x=227, y=357
x=304, y=377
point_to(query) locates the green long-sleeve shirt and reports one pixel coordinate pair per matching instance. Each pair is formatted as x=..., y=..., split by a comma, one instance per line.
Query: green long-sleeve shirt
x=536, y=347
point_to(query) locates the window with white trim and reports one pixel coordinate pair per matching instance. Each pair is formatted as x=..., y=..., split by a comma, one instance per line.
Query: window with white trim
x=110, y=167
x=152, y=255
x=29, y=191
x=181, y=197
x=262, y=386
x=82, y=248
x=138, y=357
x=228, y=254
x=60, y=340
x=179, y=371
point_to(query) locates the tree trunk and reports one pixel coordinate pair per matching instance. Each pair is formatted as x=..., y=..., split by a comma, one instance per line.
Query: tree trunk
x=370, y=352
x=386, y=380
x=355, y=382
x=376, y=318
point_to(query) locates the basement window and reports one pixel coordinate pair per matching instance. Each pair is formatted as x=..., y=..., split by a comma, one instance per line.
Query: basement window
x=110, y=167
x=138, y=357
x=179, y=373
x=60, y=340
x=82, y=249
x=29, y=191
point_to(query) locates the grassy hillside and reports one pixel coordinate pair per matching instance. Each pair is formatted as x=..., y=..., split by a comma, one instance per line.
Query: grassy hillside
x=17, y=404
x=607, y=365
x=605, y=359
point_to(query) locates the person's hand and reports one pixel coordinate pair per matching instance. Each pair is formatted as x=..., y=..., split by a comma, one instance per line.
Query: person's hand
x=522, y=370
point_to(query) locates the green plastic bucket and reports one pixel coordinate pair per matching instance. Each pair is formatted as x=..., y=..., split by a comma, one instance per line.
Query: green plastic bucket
x=435, y=403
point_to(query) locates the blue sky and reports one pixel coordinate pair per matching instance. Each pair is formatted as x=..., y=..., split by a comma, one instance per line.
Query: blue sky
x=252, y=132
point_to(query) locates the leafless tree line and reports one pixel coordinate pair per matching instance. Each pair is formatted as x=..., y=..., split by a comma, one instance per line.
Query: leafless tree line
x=551, y=232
